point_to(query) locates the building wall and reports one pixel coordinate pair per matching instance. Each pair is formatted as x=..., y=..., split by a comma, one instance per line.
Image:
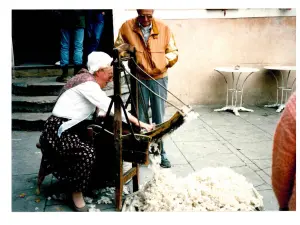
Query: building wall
x=208, y=39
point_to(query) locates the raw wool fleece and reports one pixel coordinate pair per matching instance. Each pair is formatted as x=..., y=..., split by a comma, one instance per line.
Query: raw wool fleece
x=104, y=196
x=210, y=189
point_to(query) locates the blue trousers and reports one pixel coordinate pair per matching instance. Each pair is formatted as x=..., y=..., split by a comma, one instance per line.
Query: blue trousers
x=94, y=31
x=157, y=104
x=65, y=46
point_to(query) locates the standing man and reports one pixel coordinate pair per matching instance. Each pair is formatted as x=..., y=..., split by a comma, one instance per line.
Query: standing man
x=156, y=51
x=72, y=25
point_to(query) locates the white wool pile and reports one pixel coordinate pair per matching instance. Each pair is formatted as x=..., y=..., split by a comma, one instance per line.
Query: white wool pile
x=92, y=208
x=210, y=189
x=104, y=196
x=189, y=114
x=104, y=199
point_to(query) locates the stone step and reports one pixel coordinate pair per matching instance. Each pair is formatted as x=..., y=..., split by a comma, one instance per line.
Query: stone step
x=43, y=86
x=33, y=103
x=43, y=70
x=34, y=121
x=29, y=121
x=46, y=103
x=39, y=72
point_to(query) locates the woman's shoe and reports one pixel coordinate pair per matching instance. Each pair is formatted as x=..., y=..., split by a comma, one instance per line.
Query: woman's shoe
x=82, y=209
x=75, y=208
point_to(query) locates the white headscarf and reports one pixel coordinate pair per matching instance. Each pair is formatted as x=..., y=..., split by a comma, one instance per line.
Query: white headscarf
x=97, y=60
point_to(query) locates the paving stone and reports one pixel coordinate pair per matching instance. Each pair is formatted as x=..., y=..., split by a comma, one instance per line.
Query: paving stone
x=203, y=109
x=195, y=150
x=253, y=166
x=268, y=127
x=263, y=187
x=146, y=175
x=182, y=170
x=113, y=209
x=255, y=150
x=222, y=119
x=22, y=183
x=24, y=138
x=243, y=133
x=192, y=125
x=271, y=110
x=261, y=118
x=28, y=164
x=25, y=156
x=250, y=175
x=173, y=153
x=263, y=163
x=265, y=177
x=57, y=192
x=58, y=208
x=237, y=152
x=269, y=199
x=268, y=171
x=28, y=202
x=200, y=135
x=217, y=160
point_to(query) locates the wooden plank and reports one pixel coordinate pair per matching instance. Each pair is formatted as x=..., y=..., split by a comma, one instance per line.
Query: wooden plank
x=129, y=174
x=118, y=131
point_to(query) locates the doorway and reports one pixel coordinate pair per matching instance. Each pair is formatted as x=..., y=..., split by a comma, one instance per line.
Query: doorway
x=36, y=36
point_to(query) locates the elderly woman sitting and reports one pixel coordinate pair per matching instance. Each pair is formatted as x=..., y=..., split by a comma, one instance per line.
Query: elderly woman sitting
x=67, y=155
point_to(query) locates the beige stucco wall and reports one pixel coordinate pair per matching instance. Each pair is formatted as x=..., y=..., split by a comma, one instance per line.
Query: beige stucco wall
x=207, y=43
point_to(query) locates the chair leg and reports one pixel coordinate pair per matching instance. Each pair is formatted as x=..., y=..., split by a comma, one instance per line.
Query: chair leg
x=119, y=192
x=41, y=177
x=135, y=178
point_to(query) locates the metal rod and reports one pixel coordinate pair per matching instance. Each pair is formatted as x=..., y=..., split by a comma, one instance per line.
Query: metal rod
x=282, y=86
x=233, y=93
x=236, y=96
x=153, y=91
x=277, y=83
x=158, y=83
x=135, y=100
x=241, y=101
x=227, y=87
x=287, y=79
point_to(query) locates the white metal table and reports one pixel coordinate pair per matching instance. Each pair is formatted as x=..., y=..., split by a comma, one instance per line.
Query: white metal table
x=284, y=88
x=234, y=90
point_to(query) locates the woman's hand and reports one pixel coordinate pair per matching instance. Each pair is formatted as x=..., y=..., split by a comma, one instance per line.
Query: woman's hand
x=147, y=126
x=135, y=121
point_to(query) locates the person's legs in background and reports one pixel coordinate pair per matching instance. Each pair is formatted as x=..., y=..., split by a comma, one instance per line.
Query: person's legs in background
x=143, y=97
x=64, y=54
x=94, y=30
x=78, y=49
x=143, y=101
x=158, y=112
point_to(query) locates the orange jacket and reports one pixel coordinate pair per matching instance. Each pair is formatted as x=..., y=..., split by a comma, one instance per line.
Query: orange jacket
x=158, y=55
x=284, y=157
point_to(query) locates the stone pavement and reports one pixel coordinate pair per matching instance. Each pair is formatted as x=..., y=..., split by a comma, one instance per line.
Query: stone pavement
x=215, y=139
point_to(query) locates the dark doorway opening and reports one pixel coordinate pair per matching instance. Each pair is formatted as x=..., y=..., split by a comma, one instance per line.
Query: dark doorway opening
x=36, y=36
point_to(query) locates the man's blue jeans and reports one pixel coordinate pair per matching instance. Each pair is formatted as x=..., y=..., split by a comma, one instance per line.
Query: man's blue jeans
x=65, y=46
x=157, y=104
x=94, y=31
